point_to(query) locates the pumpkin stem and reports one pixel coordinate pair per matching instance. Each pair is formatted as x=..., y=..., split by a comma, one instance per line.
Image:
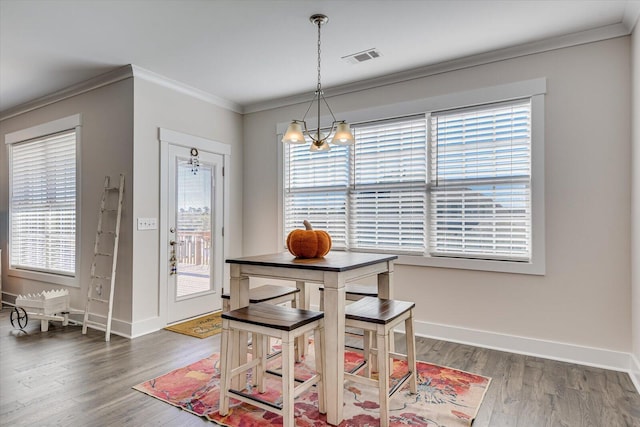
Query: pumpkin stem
x=307, y=225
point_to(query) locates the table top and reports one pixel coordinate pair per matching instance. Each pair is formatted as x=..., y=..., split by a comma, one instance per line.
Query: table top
x=333, y=261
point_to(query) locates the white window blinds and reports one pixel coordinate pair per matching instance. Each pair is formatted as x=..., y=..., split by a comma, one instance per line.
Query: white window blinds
x=480, y=199
x=316, y=186
x=388, y=198
x=368, y=197
x=464, y=192
x=43, y=204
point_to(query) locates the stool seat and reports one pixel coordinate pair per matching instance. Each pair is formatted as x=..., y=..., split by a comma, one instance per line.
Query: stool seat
x=376, y=310
x=266, y=293
x=273, y=316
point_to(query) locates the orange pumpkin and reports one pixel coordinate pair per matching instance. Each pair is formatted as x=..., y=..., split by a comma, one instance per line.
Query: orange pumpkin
x=308, y=243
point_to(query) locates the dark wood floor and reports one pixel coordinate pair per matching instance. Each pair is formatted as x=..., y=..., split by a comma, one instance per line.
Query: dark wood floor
x=63, y=378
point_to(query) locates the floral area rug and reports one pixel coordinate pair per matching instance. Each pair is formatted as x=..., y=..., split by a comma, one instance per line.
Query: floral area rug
x=446, y=397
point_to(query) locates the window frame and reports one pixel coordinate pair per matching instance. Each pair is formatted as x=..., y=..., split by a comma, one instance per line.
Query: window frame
x=534, y=89
x=35, y=132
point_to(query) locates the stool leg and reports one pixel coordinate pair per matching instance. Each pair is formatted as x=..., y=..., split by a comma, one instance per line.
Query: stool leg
x=226, y=354
x=318, y=339
x=411, y=352
x=303, y=301
x=366, y=352
x=288, y=380
x=383, y=375
x=257, y=344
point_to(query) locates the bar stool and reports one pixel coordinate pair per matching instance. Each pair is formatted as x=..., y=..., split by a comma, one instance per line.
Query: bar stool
x=267, y=320
x=380, y=316
x=273, y=294
x=266, y=293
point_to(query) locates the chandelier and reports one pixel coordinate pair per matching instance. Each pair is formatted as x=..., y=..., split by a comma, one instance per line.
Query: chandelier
x=319, y=141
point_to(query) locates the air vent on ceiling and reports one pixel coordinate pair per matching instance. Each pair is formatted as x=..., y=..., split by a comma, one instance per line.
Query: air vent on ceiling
x=365, y=55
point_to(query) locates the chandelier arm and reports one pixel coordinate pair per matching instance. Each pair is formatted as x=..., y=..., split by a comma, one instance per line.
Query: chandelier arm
x=306, y=130
x=310, y=105
x=329, y=108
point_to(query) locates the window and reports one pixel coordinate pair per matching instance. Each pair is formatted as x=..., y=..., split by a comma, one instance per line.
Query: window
x=481, y=182
x=376, y=196
x=452, y=187
x=43, y=199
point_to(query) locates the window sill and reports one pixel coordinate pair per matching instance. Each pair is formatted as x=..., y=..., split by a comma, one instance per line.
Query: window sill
x=533, y=268
x=54, y=279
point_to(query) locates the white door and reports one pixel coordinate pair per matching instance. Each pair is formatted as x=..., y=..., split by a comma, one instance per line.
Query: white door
x=194, y=236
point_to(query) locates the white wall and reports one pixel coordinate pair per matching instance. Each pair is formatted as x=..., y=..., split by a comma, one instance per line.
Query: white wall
x=635, y=211
x=155, y=107
x=106, y=149
x=584, y=297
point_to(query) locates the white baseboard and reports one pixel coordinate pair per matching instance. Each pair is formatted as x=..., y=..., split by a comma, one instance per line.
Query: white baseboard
x=571, y=353
x=118, y=327
x=147, y=326
x=634, y=373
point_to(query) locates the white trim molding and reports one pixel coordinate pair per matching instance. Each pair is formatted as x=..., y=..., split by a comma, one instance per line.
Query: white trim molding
x=177, y=86
x=563, y=352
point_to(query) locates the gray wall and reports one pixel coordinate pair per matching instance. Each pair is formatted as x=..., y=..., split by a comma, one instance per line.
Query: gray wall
x=106, y=149
x=584, y=298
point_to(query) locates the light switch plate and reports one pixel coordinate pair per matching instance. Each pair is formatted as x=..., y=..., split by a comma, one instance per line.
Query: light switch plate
x=147, y=223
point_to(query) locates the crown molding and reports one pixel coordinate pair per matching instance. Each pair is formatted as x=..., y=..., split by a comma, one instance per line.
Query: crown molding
x=574, y=39
x=177, y=86
x=113, y=76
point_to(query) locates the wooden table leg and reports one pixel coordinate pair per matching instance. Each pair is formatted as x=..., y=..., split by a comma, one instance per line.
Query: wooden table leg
x=334, y=352
x=385, y=290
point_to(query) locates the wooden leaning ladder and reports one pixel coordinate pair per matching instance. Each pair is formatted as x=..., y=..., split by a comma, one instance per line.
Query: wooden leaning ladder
x=99, y=277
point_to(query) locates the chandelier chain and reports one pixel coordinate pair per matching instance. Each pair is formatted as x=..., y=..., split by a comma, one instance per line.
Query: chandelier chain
x=319, y=86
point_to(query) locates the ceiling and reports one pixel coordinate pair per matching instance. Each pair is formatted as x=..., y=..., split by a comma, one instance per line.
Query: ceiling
x=249, y=52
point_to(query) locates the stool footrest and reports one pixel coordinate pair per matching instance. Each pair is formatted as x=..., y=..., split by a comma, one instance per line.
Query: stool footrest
x=274, y=354
x=242, y=368
x=359, y=379
x=255, y=399
x=279, y=375
x=398, y=356
x=400, y=383
x=359, y=367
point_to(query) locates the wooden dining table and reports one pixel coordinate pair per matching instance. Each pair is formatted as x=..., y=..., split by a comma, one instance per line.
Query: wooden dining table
x=333, y=272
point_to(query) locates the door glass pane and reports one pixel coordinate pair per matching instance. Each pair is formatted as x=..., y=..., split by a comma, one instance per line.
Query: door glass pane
x=193, y=231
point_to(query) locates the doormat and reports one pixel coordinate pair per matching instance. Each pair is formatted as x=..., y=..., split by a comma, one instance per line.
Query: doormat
x=446, y=396
x=200, y=327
